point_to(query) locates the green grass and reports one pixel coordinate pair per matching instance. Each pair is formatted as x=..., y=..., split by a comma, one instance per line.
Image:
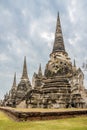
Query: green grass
x=78, y=123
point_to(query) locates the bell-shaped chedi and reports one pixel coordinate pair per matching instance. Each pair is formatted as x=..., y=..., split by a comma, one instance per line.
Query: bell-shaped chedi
x=59, y=63
x=24, y=86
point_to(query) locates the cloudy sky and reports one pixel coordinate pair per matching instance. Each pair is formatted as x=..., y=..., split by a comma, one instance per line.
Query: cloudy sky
x=27, y=28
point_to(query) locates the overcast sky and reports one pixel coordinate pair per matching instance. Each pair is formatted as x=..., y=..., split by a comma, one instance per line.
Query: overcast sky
x=27, y=28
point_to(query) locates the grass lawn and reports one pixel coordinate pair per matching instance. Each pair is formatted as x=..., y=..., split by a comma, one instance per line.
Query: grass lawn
x=78, y=123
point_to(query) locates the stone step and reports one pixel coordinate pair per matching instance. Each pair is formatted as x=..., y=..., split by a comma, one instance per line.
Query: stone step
x=53, y=81
x=56, y=85
x=56, y=80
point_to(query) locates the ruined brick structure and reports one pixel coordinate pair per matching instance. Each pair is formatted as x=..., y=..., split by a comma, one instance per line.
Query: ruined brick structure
x=61, y=85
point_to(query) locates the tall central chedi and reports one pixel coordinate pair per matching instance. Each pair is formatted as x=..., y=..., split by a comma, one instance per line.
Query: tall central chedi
x=59, y=64
x=56, y=88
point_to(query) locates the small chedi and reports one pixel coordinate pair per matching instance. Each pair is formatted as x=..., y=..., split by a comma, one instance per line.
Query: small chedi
x=61, y=85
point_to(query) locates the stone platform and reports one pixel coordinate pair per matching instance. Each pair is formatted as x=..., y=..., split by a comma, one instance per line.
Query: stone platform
x=24, y=115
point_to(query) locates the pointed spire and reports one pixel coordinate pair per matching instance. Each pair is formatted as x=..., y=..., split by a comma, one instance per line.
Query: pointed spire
x=58, y=42
x=40, y=71
x=24, y=74
x=14, y=81
x=74, y=63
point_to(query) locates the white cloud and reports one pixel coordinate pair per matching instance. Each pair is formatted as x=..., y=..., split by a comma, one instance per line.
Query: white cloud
x=72, y=10
x=75, y=40
x=76, y=11
x=47, y=36
x=24, y=12
x=4, y=57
